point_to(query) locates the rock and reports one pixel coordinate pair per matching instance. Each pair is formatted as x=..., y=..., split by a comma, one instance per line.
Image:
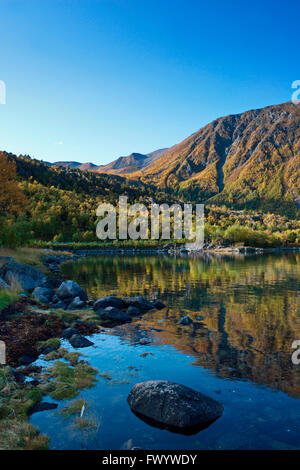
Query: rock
x=3, y=284
x=159, y=305
x=69, y=332
x=76, y=304
x=27, y=359
x=69, y=290
x=43, y=294
x=79, y=341
x=22, y=275
x=109, y=301
x=133, y=311
x=185, y=320
x=52, y=283
x=57, y=303
x=138, y=302
x=144, y=341
x=42, y=406
x=173, y=406
x=114, y=315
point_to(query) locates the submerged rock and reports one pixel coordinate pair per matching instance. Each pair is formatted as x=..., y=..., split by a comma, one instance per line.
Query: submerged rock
x=173, y=406
x=19, y=274
x=133, y=311
x=109, y=301
x=42, y=406
x=186, y=320
x=113, y=315
x=69, y=290
x=159, y=305
x=79, y=341
x=43, y=294
x=138, y=302
x=144, y=341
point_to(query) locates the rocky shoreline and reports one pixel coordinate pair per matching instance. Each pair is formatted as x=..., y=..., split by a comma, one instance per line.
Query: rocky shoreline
x=171, y=250
x=43, y=296
x=49, y=310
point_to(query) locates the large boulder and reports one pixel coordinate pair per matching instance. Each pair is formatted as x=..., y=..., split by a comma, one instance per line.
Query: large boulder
x=43, y=294
x=109, y=301
x=138, y=302
x=113, y=315
x=173, y=406
x=22, y=275
x=68, y=290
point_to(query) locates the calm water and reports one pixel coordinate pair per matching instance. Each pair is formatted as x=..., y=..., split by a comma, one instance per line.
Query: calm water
x=246, y=315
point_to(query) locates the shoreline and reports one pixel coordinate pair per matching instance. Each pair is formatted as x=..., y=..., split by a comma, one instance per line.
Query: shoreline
x=85, y=252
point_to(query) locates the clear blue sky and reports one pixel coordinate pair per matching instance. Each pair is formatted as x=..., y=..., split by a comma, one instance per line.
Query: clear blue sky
x=92, y=80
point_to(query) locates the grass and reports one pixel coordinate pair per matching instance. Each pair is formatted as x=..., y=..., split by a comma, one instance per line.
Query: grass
x=73, y=408
x=63, y=353
x=85, y=315
x=67, y=380
x=7, y=297
x=53, y=343
x=30, y=256
x=21, y=435
x=15, y=402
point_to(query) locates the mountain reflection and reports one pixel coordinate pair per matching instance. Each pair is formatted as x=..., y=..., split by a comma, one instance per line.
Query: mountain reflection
x=246, y=310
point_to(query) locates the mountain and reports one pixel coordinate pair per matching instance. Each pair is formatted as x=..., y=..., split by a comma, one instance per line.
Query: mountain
x=249, y=160
x=121, y=166
x=76, y=165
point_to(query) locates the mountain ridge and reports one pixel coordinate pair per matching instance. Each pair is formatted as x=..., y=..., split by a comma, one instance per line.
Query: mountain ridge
x=245, y=160
x=121, y=166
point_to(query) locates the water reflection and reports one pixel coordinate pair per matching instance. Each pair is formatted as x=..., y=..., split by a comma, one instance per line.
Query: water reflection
x=246, y=310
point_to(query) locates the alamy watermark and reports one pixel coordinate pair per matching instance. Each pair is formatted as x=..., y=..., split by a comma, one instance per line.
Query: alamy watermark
x=296, y=354
x=296, y=94
x=2, y=92
x=139, y=222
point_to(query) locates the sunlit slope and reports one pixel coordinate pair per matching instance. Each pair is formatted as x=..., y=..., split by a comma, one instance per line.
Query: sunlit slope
x=247, y=160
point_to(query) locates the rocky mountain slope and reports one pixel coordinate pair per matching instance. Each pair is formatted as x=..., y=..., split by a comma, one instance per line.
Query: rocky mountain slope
x=248, y=160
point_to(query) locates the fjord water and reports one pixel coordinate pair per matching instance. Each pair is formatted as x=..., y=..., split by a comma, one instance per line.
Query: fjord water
x=246, y=314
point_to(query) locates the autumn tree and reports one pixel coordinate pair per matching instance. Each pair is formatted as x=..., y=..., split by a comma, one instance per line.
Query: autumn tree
x=12, y=199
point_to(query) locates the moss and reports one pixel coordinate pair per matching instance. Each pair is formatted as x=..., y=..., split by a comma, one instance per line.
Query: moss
x=53, y=343
x=68, y=380
x=63, y=353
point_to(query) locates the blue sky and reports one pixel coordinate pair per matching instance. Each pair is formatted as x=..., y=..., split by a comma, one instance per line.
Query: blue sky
x=92, y=80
